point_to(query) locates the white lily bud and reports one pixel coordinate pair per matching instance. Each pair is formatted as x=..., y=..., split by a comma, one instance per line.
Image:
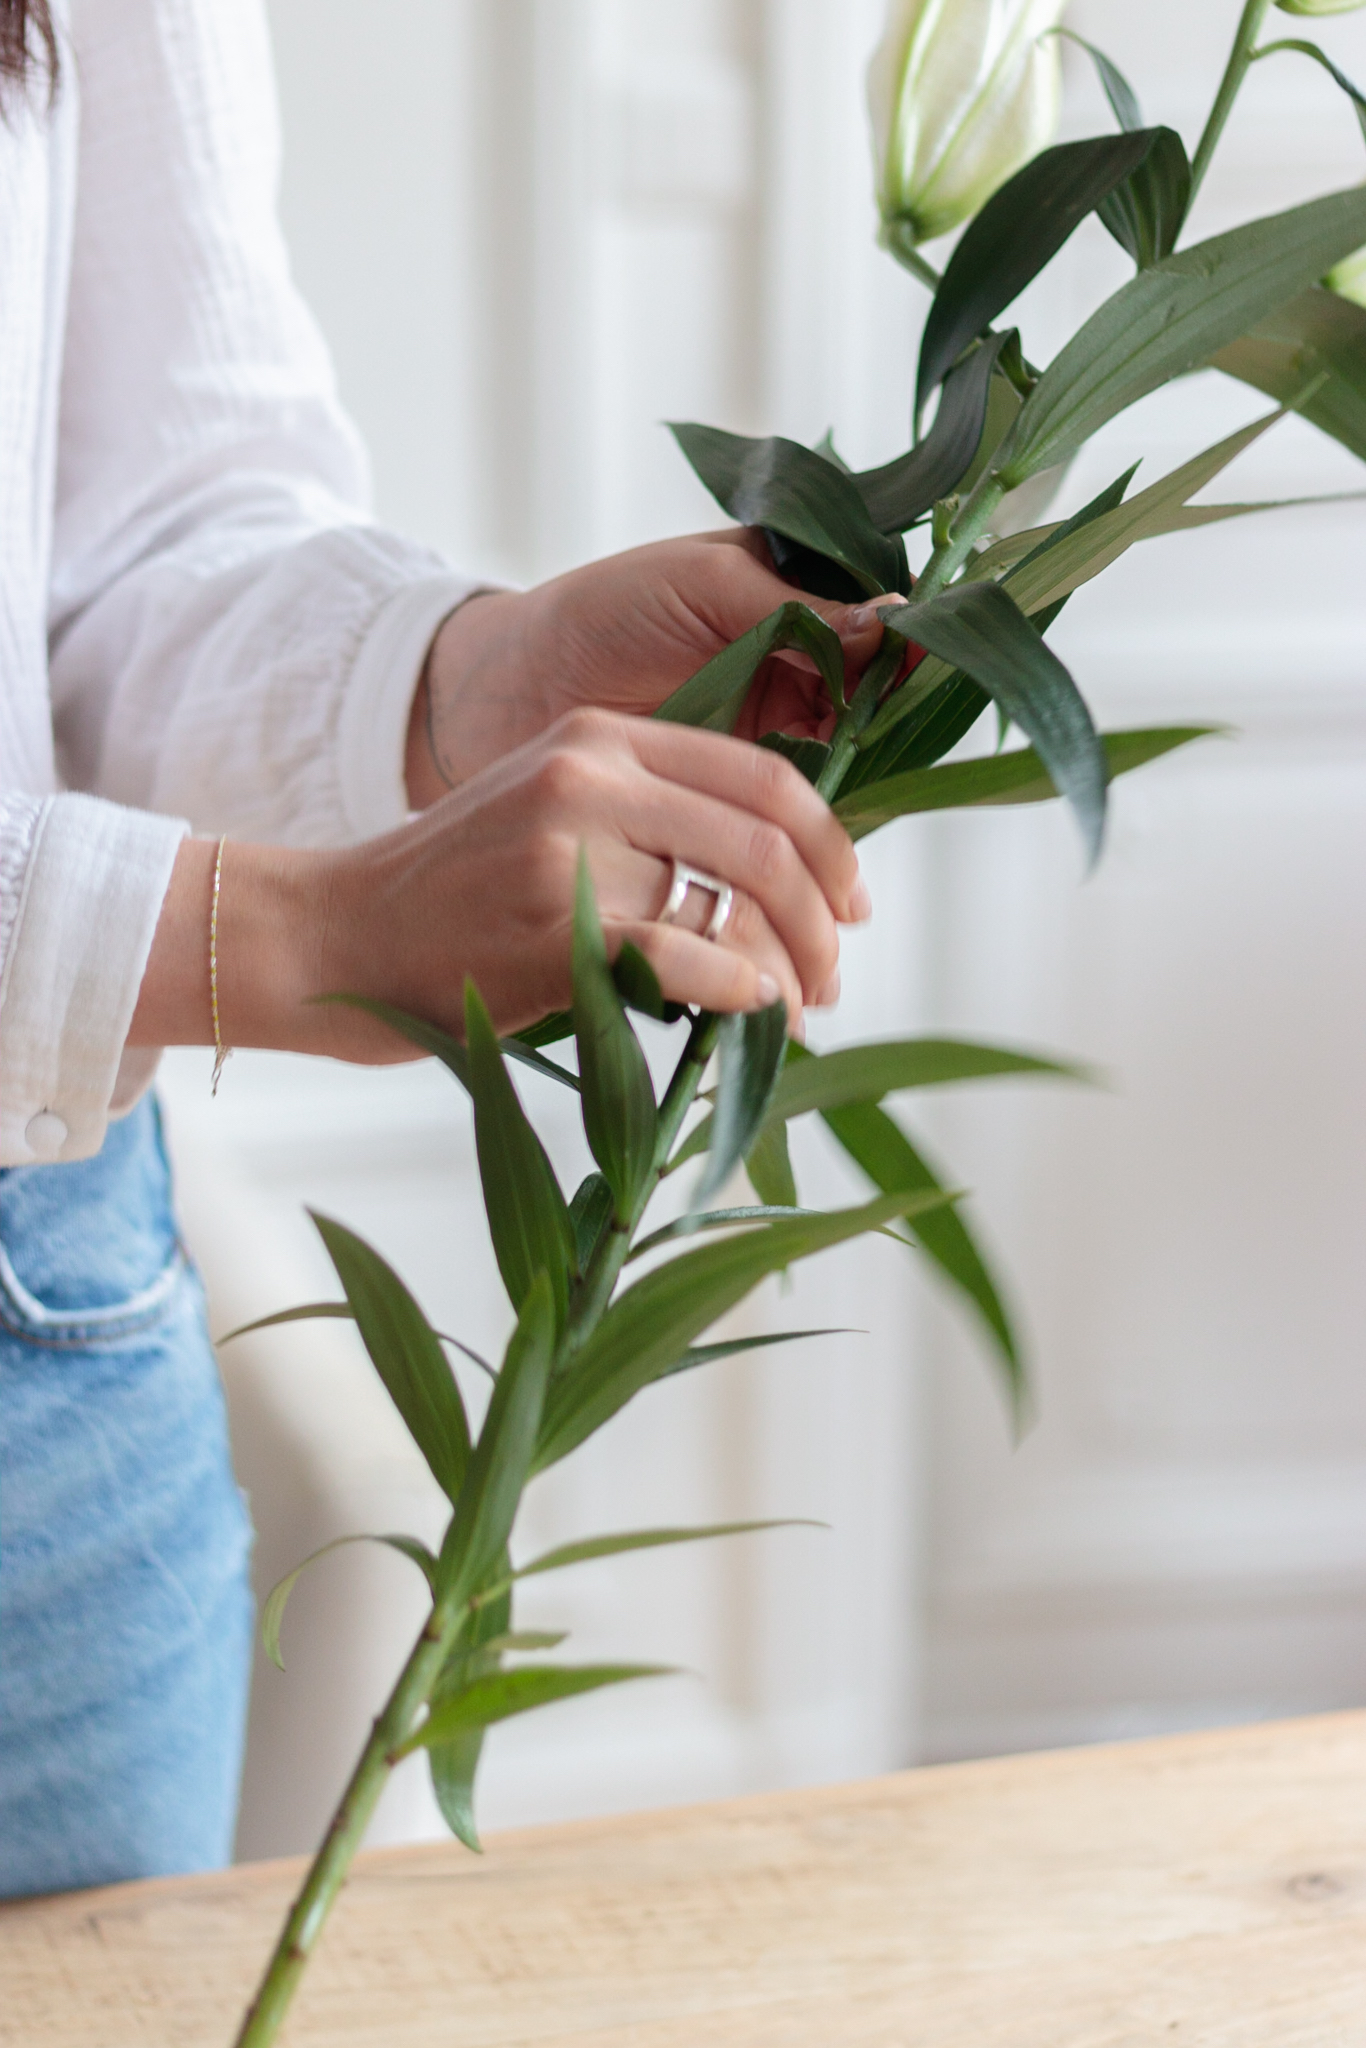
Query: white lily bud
x=1348, y=278
x=961, y=93
x=1319, y=6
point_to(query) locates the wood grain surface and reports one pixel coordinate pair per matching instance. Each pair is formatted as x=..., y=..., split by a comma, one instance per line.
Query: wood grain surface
x=1206, y=1889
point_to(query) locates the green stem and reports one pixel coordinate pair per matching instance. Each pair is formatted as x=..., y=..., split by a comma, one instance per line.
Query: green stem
x=327, y=1873
x=1244, y=44
x=971, y=523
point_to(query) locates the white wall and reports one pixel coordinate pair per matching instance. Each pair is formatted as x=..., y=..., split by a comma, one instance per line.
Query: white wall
x=533, y=229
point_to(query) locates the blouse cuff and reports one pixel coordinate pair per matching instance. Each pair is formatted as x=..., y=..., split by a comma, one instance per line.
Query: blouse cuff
x=95, y=881
x=372, y=739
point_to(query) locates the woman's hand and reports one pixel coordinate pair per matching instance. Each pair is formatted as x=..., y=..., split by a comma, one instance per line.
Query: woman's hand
x=483, y=885
x=621, y=635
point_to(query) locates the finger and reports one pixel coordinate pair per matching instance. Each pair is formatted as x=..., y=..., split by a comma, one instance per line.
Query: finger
x=632, y=888
x=756, y=857
x=697, y=971
x=761, y=782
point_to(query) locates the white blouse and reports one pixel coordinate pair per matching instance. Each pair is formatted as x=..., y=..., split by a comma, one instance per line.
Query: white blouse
x=196, y=621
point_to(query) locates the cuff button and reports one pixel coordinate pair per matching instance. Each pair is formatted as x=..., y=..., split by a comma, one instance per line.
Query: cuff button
x=45, y=1134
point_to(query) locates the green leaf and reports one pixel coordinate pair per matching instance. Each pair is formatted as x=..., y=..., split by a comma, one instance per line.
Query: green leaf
x=1015, y=778
x=638, y=986
x=1317, y=335
x=501, y=1460
x=590, y=1548
x=1118, y=91
x=1147, y=211
x=808, y=757
x=1321, y=58
x=877, y=1143
x=903, y=491
x=455, y=1764
x=711, y=1354
x=619, y=1115
x=865, y=1073
x=551, y=1030
x=273, y=1613
x=715, y=696
x=1078, y=551
x=527, y=1217
x=978, y=628
x=791, y=491
x=590, y=1212
x=646, y=1329
x=714, y=1219
x=341, y=1311
x=769, y=1166
x=920, y=732
x=405, y=1352
x=502, y=1694
x=750, y=1054
x=1019, y=230
x=448, y=1050
x=1173, y=317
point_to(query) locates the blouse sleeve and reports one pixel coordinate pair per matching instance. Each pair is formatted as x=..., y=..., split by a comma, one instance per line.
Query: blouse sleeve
x=232, y=640
x=233, y=643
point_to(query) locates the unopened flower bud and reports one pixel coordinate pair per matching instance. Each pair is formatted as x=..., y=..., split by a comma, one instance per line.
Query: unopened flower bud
x=961, y=93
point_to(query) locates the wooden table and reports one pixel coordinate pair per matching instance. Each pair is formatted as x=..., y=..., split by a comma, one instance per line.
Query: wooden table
x=1204, y=1890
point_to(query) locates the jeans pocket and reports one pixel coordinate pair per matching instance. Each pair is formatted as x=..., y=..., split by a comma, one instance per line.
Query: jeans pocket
x=23, y=1315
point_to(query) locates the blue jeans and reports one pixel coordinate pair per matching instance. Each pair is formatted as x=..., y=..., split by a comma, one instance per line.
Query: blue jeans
x=125, y=1609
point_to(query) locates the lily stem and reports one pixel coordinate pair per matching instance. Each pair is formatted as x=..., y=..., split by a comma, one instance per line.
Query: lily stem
x=1241, y=56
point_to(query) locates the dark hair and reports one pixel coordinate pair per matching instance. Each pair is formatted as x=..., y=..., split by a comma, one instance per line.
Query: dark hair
x=27, y=40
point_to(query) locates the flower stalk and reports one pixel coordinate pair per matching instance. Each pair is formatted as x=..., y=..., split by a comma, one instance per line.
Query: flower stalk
x=1240, y=60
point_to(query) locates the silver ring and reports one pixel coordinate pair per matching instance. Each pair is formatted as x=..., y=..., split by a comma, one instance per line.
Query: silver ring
x=685, y=878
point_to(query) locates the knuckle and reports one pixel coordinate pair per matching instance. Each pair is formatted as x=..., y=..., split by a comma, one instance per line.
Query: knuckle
x=587, y=727
x=770, y=852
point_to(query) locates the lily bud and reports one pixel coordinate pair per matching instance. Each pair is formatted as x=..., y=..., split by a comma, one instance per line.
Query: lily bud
x=1319, y=6
x=962, y=93
x=1348, y=278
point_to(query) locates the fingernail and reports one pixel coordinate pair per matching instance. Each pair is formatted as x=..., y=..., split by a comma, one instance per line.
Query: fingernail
x=768, y=991
x=830, y=994
x=860, y=902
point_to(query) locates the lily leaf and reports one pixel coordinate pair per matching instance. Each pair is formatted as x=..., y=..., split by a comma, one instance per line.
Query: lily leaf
x=1173, y=317
x=501, y=1694
x=769, y=1166
x=273, y=1613
x=450, y=1051
x=527, y=1217
x=978, y=628
x=1015, y=778
x=794, y=492
x=455, y=1764
x=647, y=1328
x=501, y=1460
x=1019, y=230
x=405, y=1351
x=903, y=491
x=1315, y=344
x=715, y=695
x=638, y=986
x=750, y=1051
x=590, y=1548
x=590, y=1212
x=619, y=1114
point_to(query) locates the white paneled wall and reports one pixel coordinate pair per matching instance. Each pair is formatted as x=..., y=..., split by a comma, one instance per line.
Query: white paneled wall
x=533, y=229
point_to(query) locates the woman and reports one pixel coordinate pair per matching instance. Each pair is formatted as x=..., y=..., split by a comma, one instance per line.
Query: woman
x=198, y=624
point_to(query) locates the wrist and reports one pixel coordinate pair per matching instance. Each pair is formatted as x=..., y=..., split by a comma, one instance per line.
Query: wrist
x=473, y=703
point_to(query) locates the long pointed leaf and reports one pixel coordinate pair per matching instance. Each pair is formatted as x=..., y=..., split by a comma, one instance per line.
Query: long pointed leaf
x=405, y=1352
x=454, y=1764
x=865, y=1073
x=502, y=1694
x=715, y=696
x=1173, y=317
x=647, y=1328
x=590, y=1548
x=501, y=1459
x=750, y=1051
x=339, y=1311
x=619, y=1114
x=1019, y=230
x=790, y=490
x=273, y=1613
x=527, y=1216
x=903, y=491
x=448, y=1050
x=1015, y=778
x=978, y=628
x=1318, y=335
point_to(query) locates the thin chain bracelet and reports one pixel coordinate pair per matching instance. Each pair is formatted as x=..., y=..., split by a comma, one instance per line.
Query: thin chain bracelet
x=221, y=1053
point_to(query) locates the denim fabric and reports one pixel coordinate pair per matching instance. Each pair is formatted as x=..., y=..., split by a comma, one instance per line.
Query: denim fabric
x=125, y=1610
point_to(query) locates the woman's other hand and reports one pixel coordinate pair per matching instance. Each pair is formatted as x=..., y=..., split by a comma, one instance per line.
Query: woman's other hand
x=483, y=885
x=620, y=635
